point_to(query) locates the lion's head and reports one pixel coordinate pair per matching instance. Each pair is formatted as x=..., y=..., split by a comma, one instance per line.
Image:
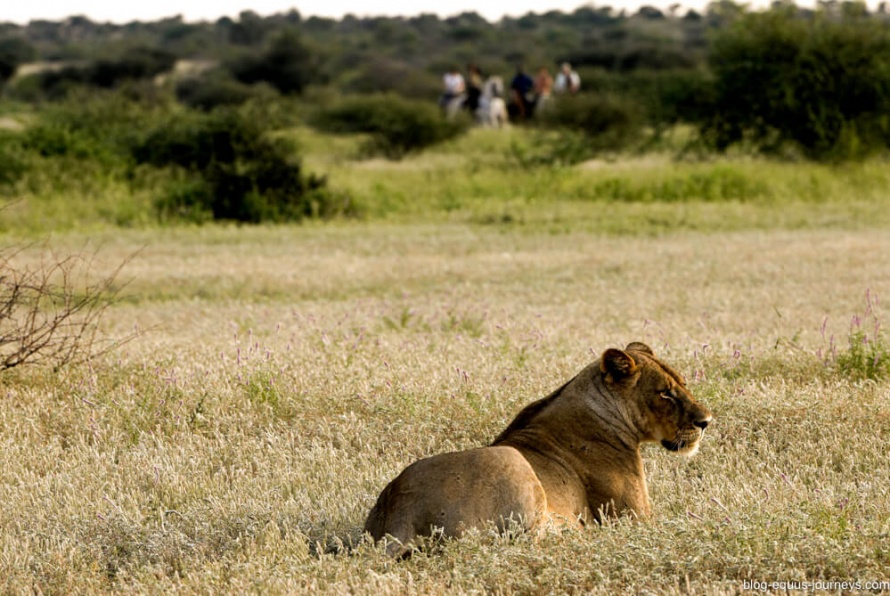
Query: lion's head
x=671, y=416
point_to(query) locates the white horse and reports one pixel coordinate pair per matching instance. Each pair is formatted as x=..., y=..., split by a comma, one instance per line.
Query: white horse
x=492, y=110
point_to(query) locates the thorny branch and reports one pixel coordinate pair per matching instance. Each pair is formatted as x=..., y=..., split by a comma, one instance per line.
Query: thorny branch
x=49, y=312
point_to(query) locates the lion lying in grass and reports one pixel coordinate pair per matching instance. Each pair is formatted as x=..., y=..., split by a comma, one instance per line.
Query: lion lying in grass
x=571, y=457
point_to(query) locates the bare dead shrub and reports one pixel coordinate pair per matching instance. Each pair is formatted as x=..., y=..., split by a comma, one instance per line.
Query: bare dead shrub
x=50, y=311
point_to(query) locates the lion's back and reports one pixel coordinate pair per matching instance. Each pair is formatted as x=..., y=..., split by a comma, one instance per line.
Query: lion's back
x=458, y=490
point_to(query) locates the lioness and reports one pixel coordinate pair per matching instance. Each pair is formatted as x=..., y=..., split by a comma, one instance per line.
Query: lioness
x=570, y=457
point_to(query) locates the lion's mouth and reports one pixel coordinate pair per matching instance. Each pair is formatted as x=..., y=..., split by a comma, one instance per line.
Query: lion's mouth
x=672, y=445
x=685, y=445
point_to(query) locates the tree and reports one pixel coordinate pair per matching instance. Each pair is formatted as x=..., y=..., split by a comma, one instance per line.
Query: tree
x=135, y=64
x=822, y=84
x=250, y=30
x=287, y=65
x=13, y=52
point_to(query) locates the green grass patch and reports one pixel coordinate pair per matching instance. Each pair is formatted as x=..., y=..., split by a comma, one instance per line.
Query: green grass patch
x=867, y=355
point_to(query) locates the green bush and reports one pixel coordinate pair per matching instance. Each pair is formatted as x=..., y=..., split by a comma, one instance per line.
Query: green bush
x=13, y=52
x=135, y=64
x=551, y=149
x=380, y=74
x=207, y=93
x=288, y=65
x=73, y=147
x=53, y=85
x=96, y=126
x=667, y=96
x=820, y=84
x=397, y=126
x=230, y=168
x=576, y=128
x=609, y=122
x=13, y=159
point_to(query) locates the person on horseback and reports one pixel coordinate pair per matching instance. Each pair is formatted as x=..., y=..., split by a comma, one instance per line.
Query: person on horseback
x=475, y=81
x=567, y=81
x=455, y=92
x=543, y=87
x=522, y=94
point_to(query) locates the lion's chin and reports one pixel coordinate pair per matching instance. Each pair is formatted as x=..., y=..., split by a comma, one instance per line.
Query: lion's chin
x=681, y=447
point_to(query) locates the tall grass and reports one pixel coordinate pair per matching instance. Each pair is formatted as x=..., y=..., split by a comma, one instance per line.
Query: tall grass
x=290, y=372
x=477, y=179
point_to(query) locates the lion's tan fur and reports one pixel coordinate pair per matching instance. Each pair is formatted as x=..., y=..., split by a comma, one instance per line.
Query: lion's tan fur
x=570, y=457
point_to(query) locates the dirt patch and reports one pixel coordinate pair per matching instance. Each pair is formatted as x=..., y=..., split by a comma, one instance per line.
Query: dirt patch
x=7, y=123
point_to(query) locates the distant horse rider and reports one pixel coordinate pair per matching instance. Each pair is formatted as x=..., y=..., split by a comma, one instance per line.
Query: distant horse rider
x=567, y=81
x=455, y=92
x=543, y=88
x=474, y=87
x=522, y=94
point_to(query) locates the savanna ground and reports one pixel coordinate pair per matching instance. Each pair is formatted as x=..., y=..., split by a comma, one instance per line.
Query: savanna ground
x=283, y=375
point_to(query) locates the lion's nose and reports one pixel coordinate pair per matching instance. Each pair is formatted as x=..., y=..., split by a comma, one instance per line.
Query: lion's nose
x=702, y=424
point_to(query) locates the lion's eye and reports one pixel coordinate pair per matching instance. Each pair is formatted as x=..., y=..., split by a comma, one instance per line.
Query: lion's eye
x=669, y=394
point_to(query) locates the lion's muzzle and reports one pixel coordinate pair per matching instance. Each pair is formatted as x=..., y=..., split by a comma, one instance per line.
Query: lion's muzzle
x=687, y=440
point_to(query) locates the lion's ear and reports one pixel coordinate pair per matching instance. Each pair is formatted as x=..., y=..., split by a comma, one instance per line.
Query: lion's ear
x=638, y=346
x=618, y=365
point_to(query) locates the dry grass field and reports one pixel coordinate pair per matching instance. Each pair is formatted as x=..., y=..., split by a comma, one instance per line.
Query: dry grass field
x=284, y=375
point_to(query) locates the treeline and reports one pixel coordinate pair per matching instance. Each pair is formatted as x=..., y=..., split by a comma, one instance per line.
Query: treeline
x=406, y=55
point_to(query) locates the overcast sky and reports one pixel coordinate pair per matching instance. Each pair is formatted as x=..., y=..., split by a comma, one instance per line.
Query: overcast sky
x=122, y=11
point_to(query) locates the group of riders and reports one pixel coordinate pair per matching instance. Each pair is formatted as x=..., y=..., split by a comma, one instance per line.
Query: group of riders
x=482, y=96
